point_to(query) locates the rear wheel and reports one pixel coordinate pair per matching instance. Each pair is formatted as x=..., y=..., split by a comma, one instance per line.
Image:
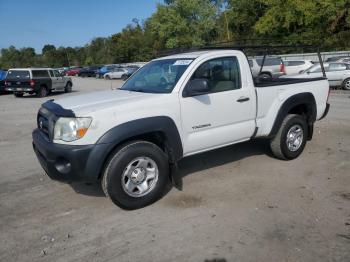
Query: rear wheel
x=137, y=175
x=290, y=140
x=68, y=87
x=124, y=77
x=18, y=94
x=346, y=84
x=42, y=92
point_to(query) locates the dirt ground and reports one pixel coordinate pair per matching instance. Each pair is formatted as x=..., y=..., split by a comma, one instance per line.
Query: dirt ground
x=238, y=203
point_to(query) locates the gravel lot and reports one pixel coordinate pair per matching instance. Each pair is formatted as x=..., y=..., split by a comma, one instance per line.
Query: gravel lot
x=238, y=203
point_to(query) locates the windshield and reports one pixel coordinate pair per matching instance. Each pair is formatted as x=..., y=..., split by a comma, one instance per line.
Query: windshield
x=158, y=76
x=316, y=68
x=17, y=74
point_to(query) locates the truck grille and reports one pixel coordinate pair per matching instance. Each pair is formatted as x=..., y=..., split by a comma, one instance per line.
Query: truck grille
x=45, y=122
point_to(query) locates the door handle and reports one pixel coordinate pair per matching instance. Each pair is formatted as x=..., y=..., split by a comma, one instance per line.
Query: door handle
x=242, y=99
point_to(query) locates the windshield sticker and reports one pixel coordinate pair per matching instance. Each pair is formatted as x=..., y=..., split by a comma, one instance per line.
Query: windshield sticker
x=183, y=62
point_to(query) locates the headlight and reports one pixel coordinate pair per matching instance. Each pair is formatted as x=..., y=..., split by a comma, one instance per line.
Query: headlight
x=70, y=129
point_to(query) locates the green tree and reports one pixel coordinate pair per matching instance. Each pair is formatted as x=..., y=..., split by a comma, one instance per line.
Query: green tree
x=183, y=23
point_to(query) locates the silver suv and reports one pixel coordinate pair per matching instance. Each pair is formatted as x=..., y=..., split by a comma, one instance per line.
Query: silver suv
x=273, y=67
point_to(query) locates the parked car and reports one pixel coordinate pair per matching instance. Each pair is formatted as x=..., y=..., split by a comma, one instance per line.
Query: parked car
x=130, y=70
x=343, y=60
x=89, y=71
x=273, y=67
x=39, y=81
x=338, y=74
x=131, y=139
x=2, y=81
x=335, y=58
x=293, y=67
x=73, y=71
x=106, y=69
x=116, y=73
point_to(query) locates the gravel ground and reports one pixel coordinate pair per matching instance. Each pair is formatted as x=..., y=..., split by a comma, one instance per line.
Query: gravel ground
x=238, y=203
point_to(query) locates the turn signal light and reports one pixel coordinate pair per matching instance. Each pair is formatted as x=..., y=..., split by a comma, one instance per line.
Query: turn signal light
x=81, y=132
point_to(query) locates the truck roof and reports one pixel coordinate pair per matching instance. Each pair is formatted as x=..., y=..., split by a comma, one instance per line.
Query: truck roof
x=197, y=54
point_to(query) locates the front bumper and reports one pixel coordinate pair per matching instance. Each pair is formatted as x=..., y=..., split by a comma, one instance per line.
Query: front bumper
x=69, y=162
x=19, y=89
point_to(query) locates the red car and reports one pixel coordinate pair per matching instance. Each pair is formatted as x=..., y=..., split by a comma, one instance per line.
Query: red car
x=73, y=71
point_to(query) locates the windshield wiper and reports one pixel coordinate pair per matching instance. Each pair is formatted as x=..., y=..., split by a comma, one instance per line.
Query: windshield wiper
x=141, y=90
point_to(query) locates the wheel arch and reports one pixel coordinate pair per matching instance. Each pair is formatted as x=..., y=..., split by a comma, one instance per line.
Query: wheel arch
x=302, y=104
x=160, y=130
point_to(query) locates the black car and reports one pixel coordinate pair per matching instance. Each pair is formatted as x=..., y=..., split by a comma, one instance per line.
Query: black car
x=89, y=71
x=131, y=70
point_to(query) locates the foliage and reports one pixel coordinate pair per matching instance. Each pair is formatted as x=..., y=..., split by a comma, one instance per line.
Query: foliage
x=188, y=23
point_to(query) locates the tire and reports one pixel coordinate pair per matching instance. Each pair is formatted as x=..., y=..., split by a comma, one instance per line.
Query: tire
x=42, y=92
x=68, y=87
x=265, y=76
x=126, y=183
x=18, y=94
x=294, y=126
x=124, y=77
x=107, y=77
x=346, y=84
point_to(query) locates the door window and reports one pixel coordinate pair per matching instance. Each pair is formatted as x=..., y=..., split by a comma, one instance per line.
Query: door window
x=337, y=67
x=294, y=63
x=56, y=73
x=223, y=74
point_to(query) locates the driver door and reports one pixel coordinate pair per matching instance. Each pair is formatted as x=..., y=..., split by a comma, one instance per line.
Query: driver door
x=225, y=115
x=59, y=81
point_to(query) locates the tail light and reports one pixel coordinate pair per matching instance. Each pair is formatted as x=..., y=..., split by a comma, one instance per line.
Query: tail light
x=282, y=68
x=6, y=83
x=32, y=83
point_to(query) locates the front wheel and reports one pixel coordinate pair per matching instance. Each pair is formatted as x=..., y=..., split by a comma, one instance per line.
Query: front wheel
x=290, y=139
x=68, y=87
x=107, y=77
x=137, y=175
x=346, y=84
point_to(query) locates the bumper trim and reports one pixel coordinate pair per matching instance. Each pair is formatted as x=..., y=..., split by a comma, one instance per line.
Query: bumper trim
x=68, y=162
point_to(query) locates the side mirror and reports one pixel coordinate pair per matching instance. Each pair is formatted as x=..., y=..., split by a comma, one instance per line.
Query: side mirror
x=196, y=87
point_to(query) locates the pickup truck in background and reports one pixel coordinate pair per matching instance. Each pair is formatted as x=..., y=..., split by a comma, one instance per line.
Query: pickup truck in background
x=176, y=106
x=39, y=81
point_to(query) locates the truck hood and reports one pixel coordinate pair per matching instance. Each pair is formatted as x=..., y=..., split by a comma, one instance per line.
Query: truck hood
x=87, y=103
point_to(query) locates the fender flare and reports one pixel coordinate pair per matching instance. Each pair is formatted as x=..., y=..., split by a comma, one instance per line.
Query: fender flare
x=142, y=126
x=296, y=100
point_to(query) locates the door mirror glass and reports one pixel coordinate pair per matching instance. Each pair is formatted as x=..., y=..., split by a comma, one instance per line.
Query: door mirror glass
x=196, y=87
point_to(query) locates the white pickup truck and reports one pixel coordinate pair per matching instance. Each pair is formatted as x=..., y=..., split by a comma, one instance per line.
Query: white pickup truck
x=176, y=106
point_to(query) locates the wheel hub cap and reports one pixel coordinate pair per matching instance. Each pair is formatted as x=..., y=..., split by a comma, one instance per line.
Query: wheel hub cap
x=140, y=176
x=295, y=138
